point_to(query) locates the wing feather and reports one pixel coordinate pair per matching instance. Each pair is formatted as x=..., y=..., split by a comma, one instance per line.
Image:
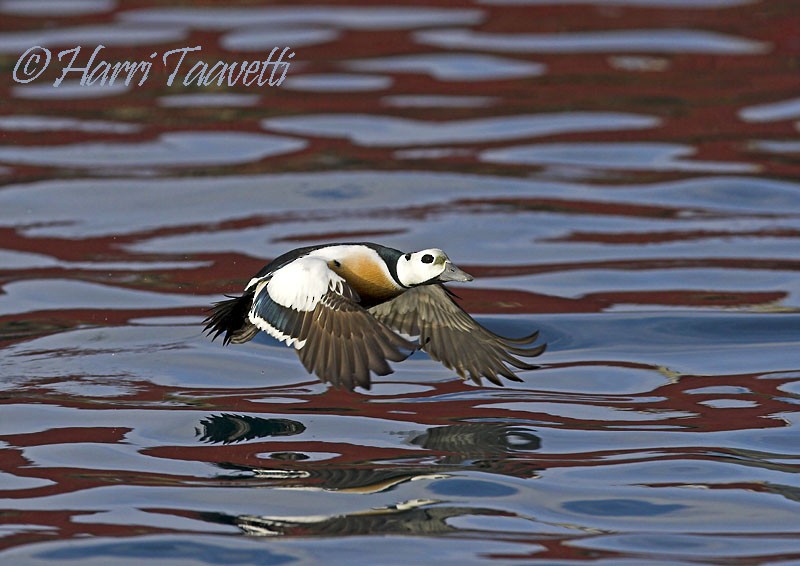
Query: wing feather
x=448, y=334
x=344, y=343
x=308, y=306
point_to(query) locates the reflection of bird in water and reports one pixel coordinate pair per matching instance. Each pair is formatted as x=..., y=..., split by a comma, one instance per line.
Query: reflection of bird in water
x=418, y=516
x=485, y=446
x=478, y=440
x=343, y=307
x=226, y=428
x=355, y=479
x=465, y=446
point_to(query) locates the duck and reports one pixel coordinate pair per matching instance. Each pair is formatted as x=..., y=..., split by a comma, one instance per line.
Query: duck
x=348, y=309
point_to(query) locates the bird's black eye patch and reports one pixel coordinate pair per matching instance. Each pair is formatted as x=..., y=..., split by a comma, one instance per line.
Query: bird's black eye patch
x=337, y=263
x=408, y=257
x=427, y=258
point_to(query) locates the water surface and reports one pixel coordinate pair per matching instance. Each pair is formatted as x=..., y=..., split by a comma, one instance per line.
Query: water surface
x=620, y=174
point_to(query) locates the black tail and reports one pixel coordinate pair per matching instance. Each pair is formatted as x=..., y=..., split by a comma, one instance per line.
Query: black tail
x=231, y=318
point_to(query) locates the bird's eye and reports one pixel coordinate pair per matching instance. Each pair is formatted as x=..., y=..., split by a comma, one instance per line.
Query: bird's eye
x=408, y=257
x=427, y=258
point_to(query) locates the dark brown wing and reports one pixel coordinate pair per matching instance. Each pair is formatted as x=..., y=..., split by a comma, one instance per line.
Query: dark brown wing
x=337, y=339
x=344, y=343
x=451, y=336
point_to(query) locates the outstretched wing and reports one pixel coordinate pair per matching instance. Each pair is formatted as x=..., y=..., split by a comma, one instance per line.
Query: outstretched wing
x=308, y=306
x=451, y=336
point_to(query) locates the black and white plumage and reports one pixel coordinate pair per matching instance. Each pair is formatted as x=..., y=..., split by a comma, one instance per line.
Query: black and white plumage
x=348, y=308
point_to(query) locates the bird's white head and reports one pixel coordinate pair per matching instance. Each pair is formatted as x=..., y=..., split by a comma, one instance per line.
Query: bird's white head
x=428, y=266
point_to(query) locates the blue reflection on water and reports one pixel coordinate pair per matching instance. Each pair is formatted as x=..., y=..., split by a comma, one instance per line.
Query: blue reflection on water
x=620, y=508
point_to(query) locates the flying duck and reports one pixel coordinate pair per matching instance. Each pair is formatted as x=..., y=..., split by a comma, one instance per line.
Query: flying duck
x=348, y=308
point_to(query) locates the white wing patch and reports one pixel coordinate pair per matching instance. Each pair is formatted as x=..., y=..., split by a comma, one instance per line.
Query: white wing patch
x=301, y=284
x=262, y=324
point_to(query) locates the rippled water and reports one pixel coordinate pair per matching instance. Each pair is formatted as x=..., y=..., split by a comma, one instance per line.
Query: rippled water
x=620, y=174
